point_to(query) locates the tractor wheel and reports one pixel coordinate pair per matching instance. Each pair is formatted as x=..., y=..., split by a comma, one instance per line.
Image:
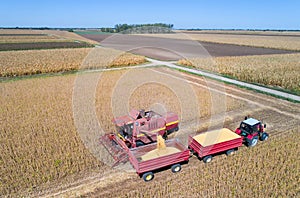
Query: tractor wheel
x=207, y=159
x=252, y=142
x=230, y=152
x=176, y=168
x=139, y=143
x=264, y=136
x=148, y=176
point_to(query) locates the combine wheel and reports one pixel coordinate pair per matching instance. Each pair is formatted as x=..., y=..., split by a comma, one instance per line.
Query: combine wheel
x=128, y=144
x=165, y=136
x=207, y=159
x=264, y=136
x=230, y=152
x=176, y=168
x=252, y=142
x=148, y=176
x=139, y=143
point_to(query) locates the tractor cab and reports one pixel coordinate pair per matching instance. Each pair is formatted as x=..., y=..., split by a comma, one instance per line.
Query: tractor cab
x=250, y=126
x=252, y=129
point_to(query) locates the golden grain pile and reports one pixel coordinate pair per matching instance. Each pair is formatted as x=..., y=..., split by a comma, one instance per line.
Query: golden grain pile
x=216, y=136
x=160, y=151
x=28, y=62
x=281, y=71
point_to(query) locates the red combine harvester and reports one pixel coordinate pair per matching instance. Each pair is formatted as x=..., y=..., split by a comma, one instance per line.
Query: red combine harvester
x=252, y=130
x=137, y=129
x=140, y=128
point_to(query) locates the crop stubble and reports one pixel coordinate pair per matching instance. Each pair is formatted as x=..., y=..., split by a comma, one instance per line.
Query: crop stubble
x=275, y=42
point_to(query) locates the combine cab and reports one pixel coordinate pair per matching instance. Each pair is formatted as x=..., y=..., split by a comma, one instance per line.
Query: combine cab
x=252, y=130
x=140, y=127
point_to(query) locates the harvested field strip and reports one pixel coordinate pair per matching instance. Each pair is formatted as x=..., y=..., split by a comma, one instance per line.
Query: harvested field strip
x=251, y=33
x=69, y=35
x=16, y=35
x=28, y=38
x=42, y=45
x=275, y=42
x=256, y=69
x=168, y=48
x=29, y=62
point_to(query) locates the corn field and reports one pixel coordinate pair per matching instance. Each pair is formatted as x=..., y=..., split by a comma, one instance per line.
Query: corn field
x=29, y=62
x=281, y=71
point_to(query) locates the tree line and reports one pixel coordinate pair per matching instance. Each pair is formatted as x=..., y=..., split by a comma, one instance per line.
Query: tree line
x=123, y=27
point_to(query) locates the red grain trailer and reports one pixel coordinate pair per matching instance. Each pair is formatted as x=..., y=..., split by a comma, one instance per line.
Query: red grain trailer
x=206, y=145
x=146, y=160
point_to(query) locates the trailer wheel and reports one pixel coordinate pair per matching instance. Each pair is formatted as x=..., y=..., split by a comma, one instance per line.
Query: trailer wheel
x=230, y=152
x=264, y=136
x=207, y=159
x=252, y=142
x=148, y=176
x=176, y=168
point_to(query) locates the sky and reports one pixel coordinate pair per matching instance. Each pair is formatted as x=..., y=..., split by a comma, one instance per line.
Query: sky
x=203, y=14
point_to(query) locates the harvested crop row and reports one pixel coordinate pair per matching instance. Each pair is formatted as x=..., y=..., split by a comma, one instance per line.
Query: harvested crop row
x=282, y=71
x=58, y=44
x=276, y=42
x=18, y=63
